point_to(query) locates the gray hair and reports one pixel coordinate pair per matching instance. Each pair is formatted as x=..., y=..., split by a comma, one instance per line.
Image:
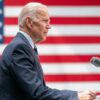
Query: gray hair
x=29, y=10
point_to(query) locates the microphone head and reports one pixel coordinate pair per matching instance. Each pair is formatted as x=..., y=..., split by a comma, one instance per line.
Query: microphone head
x=95, y=61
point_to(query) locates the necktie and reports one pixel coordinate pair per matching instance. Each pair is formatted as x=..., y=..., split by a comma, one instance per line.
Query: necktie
x=35, y=49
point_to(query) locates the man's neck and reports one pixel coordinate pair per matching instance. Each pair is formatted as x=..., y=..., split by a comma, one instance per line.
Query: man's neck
x=28, y=38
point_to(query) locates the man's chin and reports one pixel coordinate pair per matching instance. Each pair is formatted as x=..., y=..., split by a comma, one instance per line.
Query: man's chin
x=44, y=38
x=41, y=40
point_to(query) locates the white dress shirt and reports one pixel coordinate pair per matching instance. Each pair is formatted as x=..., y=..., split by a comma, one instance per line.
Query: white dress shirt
x=28, y=38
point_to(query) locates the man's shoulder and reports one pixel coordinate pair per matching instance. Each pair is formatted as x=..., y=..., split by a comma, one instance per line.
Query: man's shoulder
x=17, y=42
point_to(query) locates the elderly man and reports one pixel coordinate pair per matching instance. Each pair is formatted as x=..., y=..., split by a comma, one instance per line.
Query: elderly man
x=21, y=72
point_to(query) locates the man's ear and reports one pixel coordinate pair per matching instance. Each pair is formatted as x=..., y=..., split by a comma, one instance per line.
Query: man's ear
x=28, y=22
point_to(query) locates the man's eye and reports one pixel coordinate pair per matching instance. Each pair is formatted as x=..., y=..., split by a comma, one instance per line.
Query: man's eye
x=45, y=20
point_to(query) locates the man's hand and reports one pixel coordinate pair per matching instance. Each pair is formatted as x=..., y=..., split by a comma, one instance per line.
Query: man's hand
x=87, y=95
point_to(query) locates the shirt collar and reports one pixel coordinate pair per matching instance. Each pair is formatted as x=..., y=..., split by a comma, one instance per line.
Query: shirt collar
x=28, y=38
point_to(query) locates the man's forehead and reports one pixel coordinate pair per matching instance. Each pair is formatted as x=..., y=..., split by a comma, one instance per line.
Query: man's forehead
x=42, y=13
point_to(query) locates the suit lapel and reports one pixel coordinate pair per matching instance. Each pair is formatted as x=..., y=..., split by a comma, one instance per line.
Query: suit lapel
x=36, y=57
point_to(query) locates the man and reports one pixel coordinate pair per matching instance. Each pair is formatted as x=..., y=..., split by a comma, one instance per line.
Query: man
x=21, y=72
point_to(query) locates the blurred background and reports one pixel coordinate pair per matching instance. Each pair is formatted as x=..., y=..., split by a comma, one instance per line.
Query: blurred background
x=73, y=39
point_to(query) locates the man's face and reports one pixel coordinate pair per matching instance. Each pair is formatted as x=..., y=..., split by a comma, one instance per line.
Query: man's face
x=40, y=26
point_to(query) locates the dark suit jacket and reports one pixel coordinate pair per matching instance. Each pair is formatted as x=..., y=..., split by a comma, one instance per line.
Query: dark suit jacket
x=21, y=75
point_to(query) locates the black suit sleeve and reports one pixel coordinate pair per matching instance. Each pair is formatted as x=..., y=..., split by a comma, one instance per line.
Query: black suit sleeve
x=26, y=76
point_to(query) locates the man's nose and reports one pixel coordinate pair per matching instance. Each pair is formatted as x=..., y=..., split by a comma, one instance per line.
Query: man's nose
x=49, y=26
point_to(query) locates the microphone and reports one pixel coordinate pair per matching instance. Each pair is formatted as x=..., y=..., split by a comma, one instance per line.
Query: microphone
x=95, y=61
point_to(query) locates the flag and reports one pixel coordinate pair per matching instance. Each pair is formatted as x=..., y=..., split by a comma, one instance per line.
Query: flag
x=73, y=39
x=1, y=21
